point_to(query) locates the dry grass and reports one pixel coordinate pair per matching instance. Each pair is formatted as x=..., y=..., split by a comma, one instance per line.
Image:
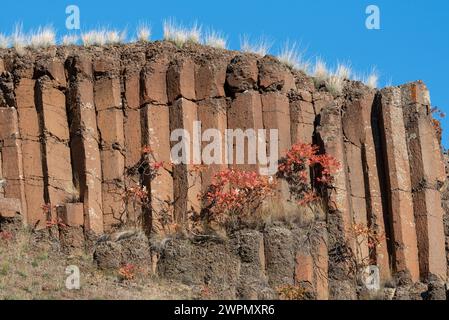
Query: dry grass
x=93, y=37
x=179, y=34
x=343, y=71
x=4, y=41
x=115, y=37
x=320, y=72
x=143, y=32
x=334, y=81
x=335, y=84
x=291, y=56
x=372, y=80
x=101, y=37
x=44, y=37
x=216, y=40
x=289, y=212
x=260, y=46
x=70, y=39
x=31, y=269
x=18, y=39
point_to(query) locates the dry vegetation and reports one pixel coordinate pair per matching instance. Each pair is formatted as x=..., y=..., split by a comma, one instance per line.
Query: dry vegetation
x=32, y=267
x=290, y=54
x=259, y=46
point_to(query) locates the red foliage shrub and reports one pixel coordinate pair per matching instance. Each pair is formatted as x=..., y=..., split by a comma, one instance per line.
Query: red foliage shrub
x=236, y=194
x=127, y=272
x=137, y=194
x=294, y=168
x=148, y=168
x=47, y=209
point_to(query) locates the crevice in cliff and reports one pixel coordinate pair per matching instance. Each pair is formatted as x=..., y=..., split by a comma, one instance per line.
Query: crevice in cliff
x=382, y=169
x=42, y=137
x=370, y=215
x=69, y=101
x=77, y=152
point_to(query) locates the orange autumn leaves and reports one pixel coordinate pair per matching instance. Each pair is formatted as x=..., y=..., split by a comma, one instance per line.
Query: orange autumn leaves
x=239, y=193
x=235, y=193
x=303, y=168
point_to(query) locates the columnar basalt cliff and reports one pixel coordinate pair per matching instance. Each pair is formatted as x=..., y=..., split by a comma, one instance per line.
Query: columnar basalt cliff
x=73, y=122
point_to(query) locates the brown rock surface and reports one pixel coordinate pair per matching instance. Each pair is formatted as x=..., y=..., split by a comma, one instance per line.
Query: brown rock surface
x=73, y=122
x=399, y=181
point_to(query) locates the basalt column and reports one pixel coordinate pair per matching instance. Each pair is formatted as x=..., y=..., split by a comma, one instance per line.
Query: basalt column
x=185, y=138
x=277, y=81
x=244, y=114
x=108, y=107
x=210, y=77
x=85, y=141
x=132, y=62
x=156, y=135
x=427, y=175
x=32, y=160
x=54, y=132
x=364, y=182
x=339, y=205
x=399, y=193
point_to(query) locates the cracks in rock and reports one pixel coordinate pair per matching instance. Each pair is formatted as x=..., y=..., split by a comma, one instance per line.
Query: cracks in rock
x=43, y=146
x=379, y=139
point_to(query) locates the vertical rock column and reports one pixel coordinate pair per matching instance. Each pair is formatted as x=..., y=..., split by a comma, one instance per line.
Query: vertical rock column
x=399, y=185
x=373, y=189
x=132, y=62
x=156, y=135
x=302, y=117
x=32, y=158
x=85, y=141
x=108, y=106
x=245, y=113
x=366, y=201
x=51, y=106
x=245, y=119
x=210, y=77
x=427, y=175
x=329, y=135
x=445, y=204
x=321, y=263
x=183, y=115
x=353, y=132
x=276, y=81
x=11, y=153
x=161, y=187
x=276, y=116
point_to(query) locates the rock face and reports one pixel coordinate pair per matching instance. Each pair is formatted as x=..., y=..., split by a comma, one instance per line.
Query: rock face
x=73, y=122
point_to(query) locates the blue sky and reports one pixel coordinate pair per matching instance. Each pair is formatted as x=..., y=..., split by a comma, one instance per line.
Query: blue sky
x=413, y=42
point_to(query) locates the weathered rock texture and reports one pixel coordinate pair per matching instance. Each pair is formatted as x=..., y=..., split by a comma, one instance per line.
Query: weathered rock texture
x=73, y=122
